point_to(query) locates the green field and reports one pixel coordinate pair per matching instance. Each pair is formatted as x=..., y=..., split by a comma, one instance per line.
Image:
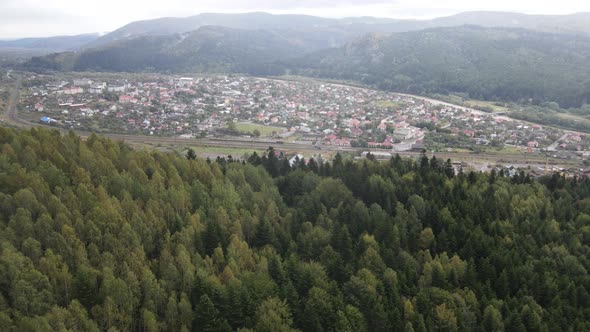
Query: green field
x=212, y=150
x=248, y=128
x=474, y=103
x=509, y=150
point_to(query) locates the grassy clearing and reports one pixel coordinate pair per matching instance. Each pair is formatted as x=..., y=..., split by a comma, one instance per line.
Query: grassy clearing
x=220, y=150
x=211, y=150
x=570, y=116
x=473, y=103
x=509, y=150
x=202, y=151
x=458, y=150
x=265, y=131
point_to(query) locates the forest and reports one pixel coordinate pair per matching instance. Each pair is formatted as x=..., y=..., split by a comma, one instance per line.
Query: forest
x=495, y=64
x=97, y=236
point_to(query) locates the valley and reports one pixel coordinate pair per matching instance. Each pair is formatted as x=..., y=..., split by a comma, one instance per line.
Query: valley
x=233, y=114
x=282, y=172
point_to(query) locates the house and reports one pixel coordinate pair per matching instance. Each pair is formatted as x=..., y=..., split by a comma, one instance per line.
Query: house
x=386, y=145
x=47, y=120
x=117, y=88
x=71, y=91
x=95, y=89
x=341, y=142
x=127, y=99
x=533, y=144
x=403, y=133
x=469, y=133
x=82, y=82
x=183, y=81
x=418, y=147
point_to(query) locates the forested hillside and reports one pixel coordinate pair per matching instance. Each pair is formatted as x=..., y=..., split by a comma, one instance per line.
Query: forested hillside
x=502, y=64
x=97, y=236
x=343, y=30
x=209, y=49
x=486, y=63
x=49, y=44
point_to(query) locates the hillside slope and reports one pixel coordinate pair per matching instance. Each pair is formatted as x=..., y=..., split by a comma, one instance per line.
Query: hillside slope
x=49, y=44
x=486, y=63
x=209, y=49
x=506, y=64
x=346, y=28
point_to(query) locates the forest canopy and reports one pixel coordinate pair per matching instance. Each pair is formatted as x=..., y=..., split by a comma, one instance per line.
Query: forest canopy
x=96, y=236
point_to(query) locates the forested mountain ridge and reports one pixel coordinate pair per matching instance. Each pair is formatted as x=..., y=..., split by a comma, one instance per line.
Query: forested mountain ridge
x=503, y=64
x=346, y=28
x=208, y=49
x=97, y=236
x=50, y=44
x=327, y=32
x=485, y=63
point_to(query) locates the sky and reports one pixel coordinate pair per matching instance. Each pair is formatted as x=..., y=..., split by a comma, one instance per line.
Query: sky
x=42, y=18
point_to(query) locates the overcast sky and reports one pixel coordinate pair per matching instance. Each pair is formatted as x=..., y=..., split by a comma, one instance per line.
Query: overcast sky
x=39, y=18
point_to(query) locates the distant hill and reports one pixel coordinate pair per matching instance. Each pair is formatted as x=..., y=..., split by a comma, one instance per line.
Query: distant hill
x=345, y=29
x=574, y=23
x=247, y=21
x=49, y=44
x=486, y=63
x=209, y=49
x=325, y=31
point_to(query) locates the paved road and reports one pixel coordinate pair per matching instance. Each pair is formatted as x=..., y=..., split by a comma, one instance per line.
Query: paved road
x=553, y=147
x=11, y=117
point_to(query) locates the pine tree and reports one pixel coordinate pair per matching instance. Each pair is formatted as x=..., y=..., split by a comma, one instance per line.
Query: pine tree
x=190, y=154
x=207, y=317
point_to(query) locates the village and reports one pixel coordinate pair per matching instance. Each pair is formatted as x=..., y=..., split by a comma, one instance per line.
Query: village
x=312, y=112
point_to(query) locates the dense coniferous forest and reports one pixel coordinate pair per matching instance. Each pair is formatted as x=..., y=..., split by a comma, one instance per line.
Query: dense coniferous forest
x=97, y=236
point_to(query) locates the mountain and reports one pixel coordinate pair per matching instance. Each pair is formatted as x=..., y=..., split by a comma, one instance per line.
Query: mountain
x=327, y=32
x=208, y=49
x=248, y=21
x=486, y=63
x=511, y=64
x=573, y=23
x=349, y=28
x=49, y=44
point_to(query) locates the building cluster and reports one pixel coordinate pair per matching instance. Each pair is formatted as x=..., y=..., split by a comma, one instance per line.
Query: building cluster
x=320, y=113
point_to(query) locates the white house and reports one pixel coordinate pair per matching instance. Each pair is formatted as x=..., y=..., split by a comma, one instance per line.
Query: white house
x=82, y=81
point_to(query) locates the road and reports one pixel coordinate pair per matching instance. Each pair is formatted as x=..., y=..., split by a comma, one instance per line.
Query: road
x=553, y=147
x=11, y=117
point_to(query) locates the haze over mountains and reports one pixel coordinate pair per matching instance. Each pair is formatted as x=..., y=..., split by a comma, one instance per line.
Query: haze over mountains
x=490, y=55
x=507, y=64
x=347, y=26
x=50, y=44
x=342, y=30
